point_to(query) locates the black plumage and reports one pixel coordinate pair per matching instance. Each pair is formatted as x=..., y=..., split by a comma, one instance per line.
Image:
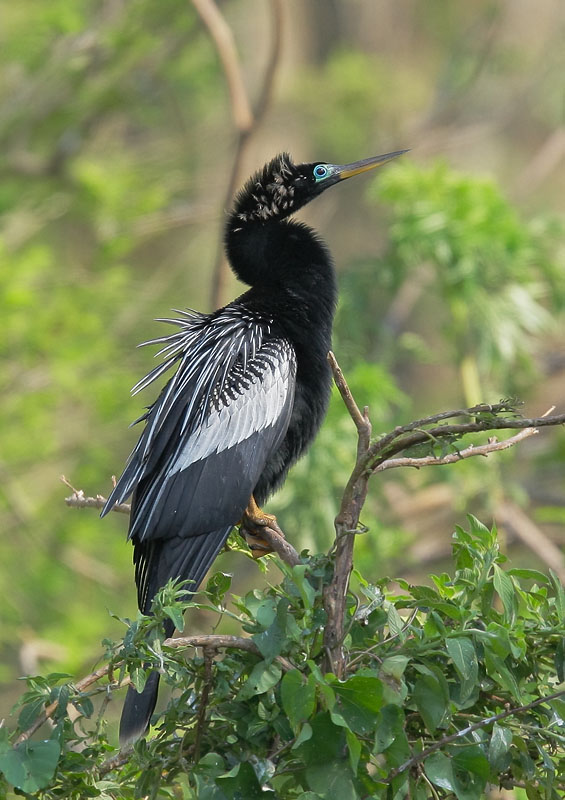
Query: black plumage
x=249, y=393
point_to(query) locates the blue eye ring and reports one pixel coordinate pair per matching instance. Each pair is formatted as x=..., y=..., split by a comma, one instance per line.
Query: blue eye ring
x=320, y=172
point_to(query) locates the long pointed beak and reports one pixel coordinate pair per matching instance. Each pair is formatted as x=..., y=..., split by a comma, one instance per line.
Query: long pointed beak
x=349, y=170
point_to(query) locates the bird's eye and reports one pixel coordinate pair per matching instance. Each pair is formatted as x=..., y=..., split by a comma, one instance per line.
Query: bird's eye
x=320, y=172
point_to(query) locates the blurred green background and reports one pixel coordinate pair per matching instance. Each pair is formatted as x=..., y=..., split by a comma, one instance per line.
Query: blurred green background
x=117, y=147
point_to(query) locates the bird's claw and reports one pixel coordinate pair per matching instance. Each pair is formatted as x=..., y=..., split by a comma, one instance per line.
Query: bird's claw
x=259, y=547
x=253, y=524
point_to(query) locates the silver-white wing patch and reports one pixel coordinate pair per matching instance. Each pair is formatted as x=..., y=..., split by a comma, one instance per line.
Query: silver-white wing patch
x=252, y=400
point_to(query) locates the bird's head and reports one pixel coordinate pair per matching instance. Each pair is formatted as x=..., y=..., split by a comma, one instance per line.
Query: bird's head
x=282, y=187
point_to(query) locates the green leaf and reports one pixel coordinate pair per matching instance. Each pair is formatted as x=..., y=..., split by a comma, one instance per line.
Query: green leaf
x=390, y=724
x=331, y=781
x=31, y=765
x=326, y=742
x=440, y=771
x=528, y=575
x=29, y=713
x=212, y=763
x=560, y=660
x=462, y=652
x=304, y=735
x=394, y=620
x=505, y=589
x=175, y=614
x=138, y=678
x=217, y=587
x=305, y=588
x=391, y=674
x=497, y=669
x=354, y=747
x=360, y=699
x=241, y=783
x=499, y=745
x=430, y=700
x=394, y=666
x=298, y=697
x=263, y=677
x=271, y=641
x=85, y=705
x=559, y=596
x=472, y=759
x=206, y=788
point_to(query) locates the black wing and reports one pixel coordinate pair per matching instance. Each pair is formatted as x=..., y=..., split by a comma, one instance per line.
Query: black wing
x=210, y=432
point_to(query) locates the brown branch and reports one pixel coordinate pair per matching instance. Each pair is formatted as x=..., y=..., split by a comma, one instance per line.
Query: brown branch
x=492, y=446
x=245, y=134
x=222, y=36
x=206, y=641
x=79, y=500
x=510, y=712
x=281, y=546
x=410, y=435
x=275, y=537
x=277, y=22
x=346, y=525
x=358, y=418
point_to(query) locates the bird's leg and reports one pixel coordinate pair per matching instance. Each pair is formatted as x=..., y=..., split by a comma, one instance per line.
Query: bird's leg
x=253, y=521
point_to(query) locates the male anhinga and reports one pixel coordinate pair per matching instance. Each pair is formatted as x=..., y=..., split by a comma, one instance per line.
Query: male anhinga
x=250, y=391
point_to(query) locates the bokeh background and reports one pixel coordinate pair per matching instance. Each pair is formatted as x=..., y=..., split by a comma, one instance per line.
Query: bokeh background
x=118, y=147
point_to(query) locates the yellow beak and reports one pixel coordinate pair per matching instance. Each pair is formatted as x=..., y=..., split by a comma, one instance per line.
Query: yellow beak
x=349, y=170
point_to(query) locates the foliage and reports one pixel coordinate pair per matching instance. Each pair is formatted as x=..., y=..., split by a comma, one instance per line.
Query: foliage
x=441, y=694
x=115, y=153
x=493, y=277
x=90, y=174
x=116, y=149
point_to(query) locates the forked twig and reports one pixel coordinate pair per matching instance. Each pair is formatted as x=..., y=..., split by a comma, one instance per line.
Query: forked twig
x=378, y=457
x=492, y=446
x=275, y=537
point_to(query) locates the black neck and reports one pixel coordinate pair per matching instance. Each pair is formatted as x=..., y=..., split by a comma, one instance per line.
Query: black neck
x=287, y=260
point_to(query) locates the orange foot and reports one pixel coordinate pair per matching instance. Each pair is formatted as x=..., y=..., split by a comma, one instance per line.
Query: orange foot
x=252, y=523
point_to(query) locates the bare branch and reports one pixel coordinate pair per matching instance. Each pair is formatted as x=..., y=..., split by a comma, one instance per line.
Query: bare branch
x=281, y=546
x=275, y=537
x=222, y=35
x=245, y=135
x=492, y=446
x=346, y=524
x=406, y=436
x=79, y=500
x=277, y=22
x=361, y=420
x=217, y=641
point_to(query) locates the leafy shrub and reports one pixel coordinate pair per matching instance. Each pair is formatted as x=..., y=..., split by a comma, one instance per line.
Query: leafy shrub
x=443, y=694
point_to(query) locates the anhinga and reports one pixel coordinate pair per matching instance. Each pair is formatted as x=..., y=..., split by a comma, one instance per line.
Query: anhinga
x=250, y=391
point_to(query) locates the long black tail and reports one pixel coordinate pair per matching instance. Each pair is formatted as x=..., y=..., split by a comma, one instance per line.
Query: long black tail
x=156, y=562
